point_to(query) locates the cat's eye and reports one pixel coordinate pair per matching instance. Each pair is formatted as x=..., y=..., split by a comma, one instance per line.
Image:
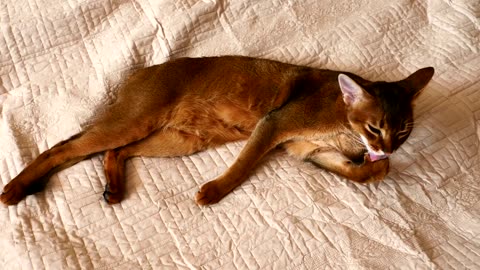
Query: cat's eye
x=373, y=130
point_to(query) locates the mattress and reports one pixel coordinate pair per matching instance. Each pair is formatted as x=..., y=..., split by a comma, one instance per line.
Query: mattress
x=61, y=60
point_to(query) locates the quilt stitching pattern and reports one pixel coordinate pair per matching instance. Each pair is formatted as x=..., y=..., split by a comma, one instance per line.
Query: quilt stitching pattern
x=58, y=59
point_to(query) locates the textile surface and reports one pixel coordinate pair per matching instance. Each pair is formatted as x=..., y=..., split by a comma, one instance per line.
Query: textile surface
x=59, y=60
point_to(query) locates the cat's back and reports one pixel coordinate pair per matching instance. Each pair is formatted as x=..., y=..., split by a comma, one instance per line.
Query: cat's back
x=237, y=78
x=252, y=83
x=228, y=66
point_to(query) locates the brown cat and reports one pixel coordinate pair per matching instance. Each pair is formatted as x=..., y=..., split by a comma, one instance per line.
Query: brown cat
x=339, y=121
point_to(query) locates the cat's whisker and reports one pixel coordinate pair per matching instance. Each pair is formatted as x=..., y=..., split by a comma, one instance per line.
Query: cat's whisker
x=351, y=136
x=355, y=139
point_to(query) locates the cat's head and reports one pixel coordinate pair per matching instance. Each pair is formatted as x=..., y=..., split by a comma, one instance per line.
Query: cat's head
x=382, y=112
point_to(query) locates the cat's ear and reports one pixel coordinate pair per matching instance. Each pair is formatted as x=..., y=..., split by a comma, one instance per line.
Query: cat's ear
x=352, y=92
x=416, y=82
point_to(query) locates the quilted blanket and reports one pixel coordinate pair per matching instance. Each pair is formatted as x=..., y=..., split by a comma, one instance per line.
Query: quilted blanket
x=60, y=60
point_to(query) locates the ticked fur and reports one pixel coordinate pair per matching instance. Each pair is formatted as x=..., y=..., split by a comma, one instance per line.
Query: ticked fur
x=189, y=104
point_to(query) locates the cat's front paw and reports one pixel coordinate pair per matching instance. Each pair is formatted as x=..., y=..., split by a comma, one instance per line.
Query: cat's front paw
x=378, y=169
x=13, y=193
x=209, y=193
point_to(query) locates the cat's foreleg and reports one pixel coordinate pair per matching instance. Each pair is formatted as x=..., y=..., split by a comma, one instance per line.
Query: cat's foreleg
x=365, y=172
x=330, y=159
x=263, y=139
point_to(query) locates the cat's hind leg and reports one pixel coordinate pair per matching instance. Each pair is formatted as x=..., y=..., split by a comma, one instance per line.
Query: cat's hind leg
x=162, y=143
x=101, y=136
x=366, y=172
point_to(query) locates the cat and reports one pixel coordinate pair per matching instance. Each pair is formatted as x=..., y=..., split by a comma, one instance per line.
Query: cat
x=337, y=120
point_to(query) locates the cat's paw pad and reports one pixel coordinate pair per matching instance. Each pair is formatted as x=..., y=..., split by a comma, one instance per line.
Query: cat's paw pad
x=112, y=195
x=209, y=193
x=13, y=193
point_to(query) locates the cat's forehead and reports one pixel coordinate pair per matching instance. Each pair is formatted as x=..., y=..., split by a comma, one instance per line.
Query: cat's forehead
x=389, y=92
x=393, y=101
x=386, y=88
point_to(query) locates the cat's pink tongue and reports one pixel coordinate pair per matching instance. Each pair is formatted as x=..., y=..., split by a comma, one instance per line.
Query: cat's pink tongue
x=374, y=157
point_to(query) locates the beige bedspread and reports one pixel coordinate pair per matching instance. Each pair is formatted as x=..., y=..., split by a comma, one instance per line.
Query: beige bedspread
x=58, y=59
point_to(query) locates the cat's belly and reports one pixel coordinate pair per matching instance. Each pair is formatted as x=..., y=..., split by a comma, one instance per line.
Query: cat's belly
x=219, y=122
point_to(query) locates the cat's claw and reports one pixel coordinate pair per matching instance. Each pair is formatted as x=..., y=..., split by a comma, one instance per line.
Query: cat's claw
x=208, y=194
x=112, y=196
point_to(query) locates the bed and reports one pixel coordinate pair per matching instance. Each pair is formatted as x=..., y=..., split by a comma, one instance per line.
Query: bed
x=60, y=60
